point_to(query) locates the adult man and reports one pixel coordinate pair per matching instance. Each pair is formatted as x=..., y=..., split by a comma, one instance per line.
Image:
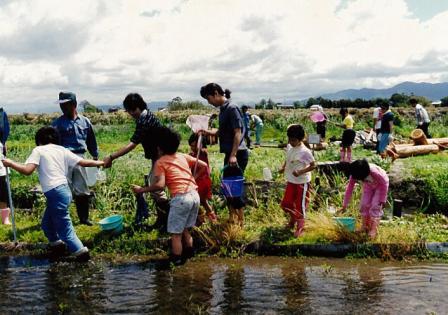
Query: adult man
x=146, y=131
x=421, y=116
x=77, y=135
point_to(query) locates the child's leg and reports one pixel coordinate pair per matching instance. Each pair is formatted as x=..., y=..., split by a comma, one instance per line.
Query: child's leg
x=349, y=154
x=366, y=203
x=58, y=200
x=48, y=227
x=209, y=210
x=376, y=212
x=176, y=244
x=288, y=203
x=301, y=206
x=343, y=150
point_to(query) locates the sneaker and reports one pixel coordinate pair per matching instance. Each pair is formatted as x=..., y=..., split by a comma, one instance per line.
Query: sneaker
x=188, y=253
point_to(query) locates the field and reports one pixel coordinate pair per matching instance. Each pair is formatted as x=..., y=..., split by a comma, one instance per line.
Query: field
x=265, y=220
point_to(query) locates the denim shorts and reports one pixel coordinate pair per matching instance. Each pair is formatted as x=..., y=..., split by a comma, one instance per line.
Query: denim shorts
x=183, y=212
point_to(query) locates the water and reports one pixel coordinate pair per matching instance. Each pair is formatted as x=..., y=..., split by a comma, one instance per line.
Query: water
x=267, y=285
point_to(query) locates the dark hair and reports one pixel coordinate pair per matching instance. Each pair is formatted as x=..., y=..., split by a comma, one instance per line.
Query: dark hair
x=413, y=100
x=385, y=105
x=46, y=135
x=244, y=108
x=211, y=88
x=296, y=132
x=343, y=111
x=195, y=137
x=360, y=169
x=169, y=140
x=133, y=101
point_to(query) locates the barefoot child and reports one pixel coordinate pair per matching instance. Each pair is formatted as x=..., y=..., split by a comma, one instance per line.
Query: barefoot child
x=297, y=168
x=52, y=162
x=204, y=182
x=173, y=170
x=348, y=136
x=375, y=184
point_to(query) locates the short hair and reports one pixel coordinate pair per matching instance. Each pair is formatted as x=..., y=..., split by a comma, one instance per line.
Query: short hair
x=211, y=88
x=133, y=101
x=47, y=135
x=343, y=111
x=296, y=132
x=413, y=100
x=359, y=169
x=244, y=108
x=385, y=105
x=168, y=141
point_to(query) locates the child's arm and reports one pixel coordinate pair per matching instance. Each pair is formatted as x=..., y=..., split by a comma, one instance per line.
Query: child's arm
x=201, y=170
x=348, y=193
x=309, y=168
x=91, y=163
x=157, y=184
x=25, y=169
x=282, y=169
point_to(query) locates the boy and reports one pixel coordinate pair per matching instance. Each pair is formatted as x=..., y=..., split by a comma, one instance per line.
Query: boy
x=297, y=168
x=52, y=162
x=173, y=170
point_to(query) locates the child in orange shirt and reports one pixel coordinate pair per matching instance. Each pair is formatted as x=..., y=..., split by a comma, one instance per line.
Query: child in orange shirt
x=204, y=182
x=173, y=170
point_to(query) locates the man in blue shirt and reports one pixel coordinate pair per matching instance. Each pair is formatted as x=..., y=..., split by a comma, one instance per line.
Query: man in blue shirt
x=77, y=135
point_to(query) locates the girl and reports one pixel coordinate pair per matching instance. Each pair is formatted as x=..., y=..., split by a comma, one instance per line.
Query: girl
x=297, y=168
x=348, y=136
x=204, y=182
x=52, y=162
x=375, y=184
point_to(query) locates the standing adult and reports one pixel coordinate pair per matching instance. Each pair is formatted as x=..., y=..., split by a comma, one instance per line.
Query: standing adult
x=246, y=119
x=257, y=122
x=146, y=133
x=422, y=117
x=4, y=133
x=377, y=116
x=231, y=139
x=77, y=135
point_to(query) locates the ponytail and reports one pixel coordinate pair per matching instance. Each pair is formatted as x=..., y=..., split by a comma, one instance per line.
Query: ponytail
x=211, y=88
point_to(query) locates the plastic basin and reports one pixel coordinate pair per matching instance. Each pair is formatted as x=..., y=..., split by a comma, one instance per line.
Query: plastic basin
x=111, y=223
x=346, y=222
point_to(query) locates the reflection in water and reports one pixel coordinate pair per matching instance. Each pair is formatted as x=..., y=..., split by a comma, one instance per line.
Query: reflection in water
x=223, y=286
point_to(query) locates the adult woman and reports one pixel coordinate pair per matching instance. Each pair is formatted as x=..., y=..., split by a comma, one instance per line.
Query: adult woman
x=231, y=138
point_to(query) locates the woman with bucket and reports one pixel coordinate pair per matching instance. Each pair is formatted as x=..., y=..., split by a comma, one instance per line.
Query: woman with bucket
x=231, y=143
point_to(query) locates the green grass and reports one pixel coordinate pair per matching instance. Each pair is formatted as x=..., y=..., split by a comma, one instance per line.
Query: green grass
x=264, y=221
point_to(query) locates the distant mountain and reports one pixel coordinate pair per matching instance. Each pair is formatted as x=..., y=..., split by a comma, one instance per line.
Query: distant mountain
x=432, y=91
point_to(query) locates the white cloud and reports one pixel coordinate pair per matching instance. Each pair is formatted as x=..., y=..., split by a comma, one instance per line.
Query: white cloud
x=257, y=48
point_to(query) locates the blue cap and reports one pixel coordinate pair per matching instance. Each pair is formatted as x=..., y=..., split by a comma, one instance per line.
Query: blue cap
x=65, y=97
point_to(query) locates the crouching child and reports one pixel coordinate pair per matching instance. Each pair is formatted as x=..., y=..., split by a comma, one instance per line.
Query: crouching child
x=173, y=170
x=52, y=162
x=375, y=185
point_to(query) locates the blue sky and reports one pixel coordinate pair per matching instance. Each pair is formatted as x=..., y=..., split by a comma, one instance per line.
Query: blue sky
x=283, y=49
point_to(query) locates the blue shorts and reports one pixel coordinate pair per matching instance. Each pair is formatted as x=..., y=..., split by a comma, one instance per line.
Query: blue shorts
x=383, y=142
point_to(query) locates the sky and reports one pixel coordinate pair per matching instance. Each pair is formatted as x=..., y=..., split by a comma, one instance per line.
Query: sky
x=279, y=49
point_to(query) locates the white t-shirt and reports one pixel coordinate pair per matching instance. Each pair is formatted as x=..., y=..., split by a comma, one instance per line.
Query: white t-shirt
x=256, y=120
x=421, y=114
x=377, y=116
x=53, y=162
x=2, y=168
x=298, y=158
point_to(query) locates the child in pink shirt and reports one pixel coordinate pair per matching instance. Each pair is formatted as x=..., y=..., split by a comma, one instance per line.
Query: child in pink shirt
x=375, y=184
x=173, y=170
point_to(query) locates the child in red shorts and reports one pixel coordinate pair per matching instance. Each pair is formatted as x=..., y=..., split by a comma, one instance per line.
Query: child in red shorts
x=297, y=168
x=204, y=182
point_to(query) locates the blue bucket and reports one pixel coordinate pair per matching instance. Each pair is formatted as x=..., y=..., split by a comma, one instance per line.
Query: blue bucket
x=346, y=222
x=232, y=186
x=112, y=223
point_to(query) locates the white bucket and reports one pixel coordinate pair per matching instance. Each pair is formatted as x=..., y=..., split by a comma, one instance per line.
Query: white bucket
x=101, y=175
x=91, y=175
x=267, y=174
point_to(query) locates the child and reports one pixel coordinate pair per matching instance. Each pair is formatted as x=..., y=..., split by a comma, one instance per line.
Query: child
x=297, y=168
x=375, y=185
x=204, y=183
x=321, y=126
x=173, y=170
x=52, y=162
x=348, y=136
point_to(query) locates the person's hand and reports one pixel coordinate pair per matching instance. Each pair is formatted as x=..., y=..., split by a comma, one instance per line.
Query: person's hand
x=107, y=161
x=341, y=210
x=7, y=162
x=137, y=189
x=233, y=161
x=281, y=170
x=297, y=173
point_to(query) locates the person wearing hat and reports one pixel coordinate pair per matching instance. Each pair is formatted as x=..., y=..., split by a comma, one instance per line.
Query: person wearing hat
x=77, y=135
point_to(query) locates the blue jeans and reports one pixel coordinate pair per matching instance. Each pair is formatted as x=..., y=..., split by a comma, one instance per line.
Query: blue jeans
x=56, y=222
x=258, y=131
